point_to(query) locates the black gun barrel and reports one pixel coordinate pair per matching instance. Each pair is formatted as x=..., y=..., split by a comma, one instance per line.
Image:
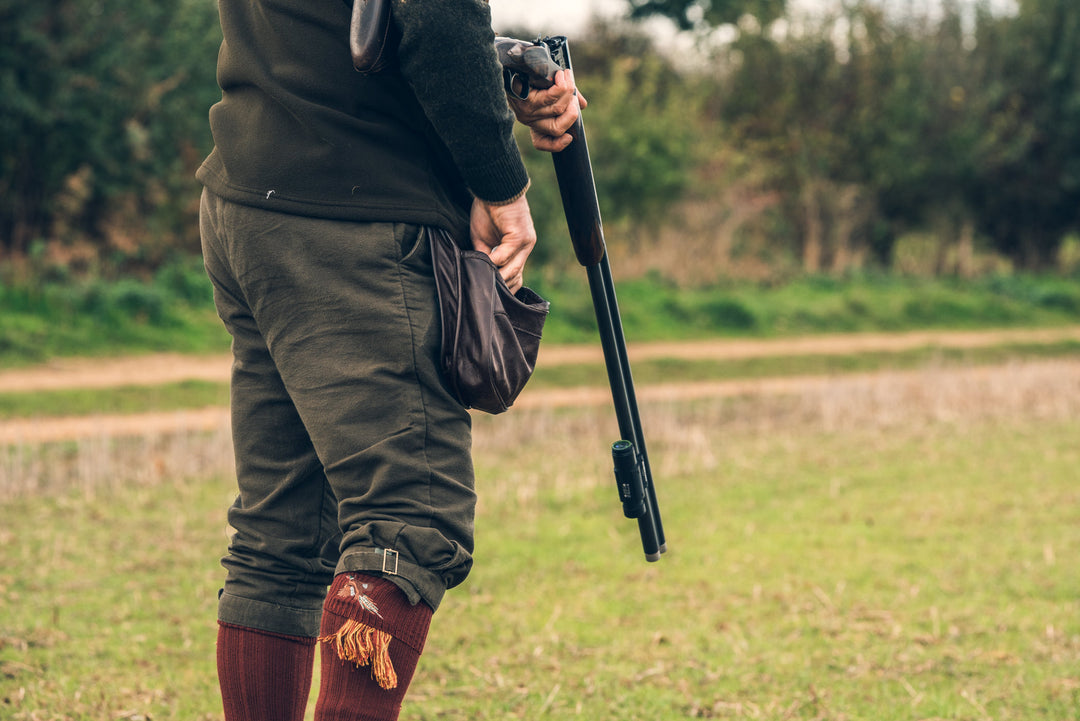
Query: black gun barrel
x=573, y=169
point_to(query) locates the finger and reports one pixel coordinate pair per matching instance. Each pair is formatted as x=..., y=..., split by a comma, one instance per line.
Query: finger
x=563, y=93
x=513, y=251
x=557, y=126
x=550, y=144
x=529, y=112
x=482, y=231
x=513, y=280
x=566, y=120
x=572, y=87
x=556, y=99
x=507, y=255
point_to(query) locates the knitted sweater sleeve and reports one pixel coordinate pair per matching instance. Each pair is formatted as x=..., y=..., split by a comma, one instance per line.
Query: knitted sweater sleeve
x=447, y=55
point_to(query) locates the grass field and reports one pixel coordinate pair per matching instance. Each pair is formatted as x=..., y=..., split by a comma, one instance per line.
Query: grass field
x=870, y=552
x=174, y=312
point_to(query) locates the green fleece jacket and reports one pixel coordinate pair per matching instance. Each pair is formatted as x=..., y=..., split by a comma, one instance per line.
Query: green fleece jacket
x=298, y=130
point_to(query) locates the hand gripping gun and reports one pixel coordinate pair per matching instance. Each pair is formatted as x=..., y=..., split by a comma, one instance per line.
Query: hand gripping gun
x=528, y=65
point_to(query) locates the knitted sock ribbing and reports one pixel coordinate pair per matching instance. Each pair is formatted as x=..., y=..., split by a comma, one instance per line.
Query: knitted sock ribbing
x=372, y=639
x=263, y=676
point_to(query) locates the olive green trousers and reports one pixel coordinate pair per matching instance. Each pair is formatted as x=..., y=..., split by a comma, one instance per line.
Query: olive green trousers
x=351, y=455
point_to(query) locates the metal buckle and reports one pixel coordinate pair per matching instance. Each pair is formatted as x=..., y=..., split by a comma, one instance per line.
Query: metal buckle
x=387, y=553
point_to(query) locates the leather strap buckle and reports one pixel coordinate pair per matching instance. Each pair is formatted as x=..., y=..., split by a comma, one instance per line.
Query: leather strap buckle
x=390, y=567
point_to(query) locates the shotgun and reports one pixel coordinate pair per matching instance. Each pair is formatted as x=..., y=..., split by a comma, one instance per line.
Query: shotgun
x=528, y=65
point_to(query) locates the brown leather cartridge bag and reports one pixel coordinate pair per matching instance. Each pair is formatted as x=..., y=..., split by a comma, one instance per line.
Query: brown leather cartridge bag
x=490, y=336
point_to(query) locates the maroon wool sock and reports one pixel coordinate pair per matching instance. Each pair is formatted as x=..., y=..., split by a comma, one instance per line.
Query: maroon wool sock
x=372, y=639
x=264, y=676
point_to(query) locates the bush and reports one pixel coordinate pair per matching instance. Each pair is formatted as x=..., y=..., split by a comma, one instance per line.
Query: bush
x=103, y=119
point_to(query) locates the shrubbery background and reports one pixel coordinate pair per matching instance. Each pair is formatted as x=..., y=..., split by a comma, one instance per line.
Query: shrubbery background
x=946, y=143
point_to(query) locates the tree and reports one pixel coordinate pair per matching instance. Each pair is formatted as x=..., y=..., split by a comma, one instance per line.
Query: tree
x=100, y=101
x=1028, y=192
x=942, y=127
x=700, y=14
x=912, y=139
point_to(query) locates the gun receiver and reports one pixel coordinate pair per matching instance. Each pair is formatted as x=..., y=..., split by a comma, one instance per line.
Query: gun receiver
x=525, y=66
x=533, y=65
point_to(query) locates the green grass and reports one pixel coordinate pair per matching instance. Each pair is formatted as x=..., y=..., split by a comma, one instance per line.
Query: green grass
x=679, y=370
x=124, y=399
x=653, y=309
x=174, y=310
x=926, y=572
x=45, y=318
x=28, y=337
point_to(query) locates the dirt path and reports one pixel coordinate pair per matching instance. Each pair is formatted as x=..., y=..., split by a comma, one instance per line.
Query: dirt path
x=165, y=368
x=170, y=368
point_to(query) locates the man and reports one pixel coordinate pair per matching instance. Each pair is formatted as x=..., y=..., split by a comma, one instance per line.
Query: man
x=353, y=460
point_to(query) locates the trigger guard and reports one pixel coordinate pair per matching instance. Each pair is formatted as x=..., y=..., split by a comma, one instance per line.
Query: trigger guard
x=516, y=84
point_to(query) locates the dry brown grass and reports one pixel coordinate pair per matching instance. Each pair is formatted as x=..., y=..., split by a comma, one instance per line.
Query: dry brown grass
x=687, y=421
x=108, y=462
x=689, y=428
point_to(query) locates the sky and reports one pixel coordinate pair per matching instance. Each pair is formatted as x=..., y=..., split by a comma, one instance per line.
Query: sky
x=565, y=17
x=562, y=17
x=551, y=17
